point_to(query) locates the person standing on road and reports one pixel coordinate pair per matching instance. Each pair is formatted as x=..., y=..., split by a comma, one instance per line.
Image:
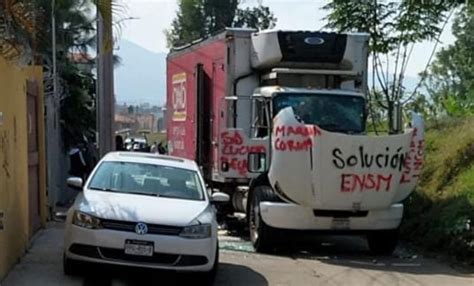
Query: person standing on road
x=119, y=146
x=161, y=148
x=153, y=148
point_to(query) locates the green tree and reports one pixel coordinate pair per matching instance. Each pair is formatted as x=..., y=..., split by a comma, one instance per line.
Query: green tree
x=394, y=28
x=75, y=35
x=450, y=79
x=25, y=25
x=259, y=17
x=26, y=34
x=189, y=24
x=219, y=14
x=197, y=19
x=77, y=108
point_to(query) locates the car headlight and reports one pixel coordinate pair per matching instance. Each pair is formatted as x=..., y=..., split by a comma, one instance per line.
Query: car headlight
x=85, y=220
x=197, y=231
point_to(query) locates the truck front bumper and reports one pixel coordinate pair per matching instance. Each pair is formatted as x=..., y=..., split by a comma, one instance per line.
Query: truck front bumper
x=295, y=217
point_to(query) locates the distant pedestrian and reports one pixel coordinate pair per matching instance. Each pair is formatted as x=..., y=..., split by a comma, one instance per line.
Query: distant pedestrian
x=119, y=143
x=78, y=163
x=153, y=148
x=161, y=148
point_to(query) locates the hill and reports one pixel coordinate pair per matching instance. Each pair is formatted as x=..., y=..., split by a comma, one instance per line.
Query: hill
x=440, y=214
x=141, y=76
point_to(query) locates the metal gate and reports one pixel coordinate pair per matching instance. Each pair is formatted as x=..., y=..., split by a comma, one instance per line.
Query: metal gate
x=33, y=160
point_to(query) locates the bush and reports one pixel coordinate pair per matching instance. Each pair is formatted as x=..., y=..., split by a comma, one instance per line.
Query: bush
x=440, y=213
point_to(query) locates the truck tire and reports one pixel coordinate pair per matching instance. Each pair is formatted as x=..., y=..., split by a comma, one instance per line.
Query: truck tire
x=261, y=235
x=383, y=242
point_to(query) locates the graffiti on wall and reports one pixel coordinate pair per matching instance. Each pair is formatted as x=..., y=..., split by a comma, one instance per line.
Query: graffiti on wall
x=4, y=151
x=1, y=219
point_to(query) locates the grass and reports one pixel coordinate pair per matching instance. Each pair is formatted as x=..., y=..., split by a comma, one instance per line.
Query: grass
x=440, y=213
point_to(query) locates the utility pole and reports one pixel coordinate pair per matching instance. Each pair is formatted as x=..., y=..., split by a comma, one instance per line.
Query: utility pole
x=105, y=83
x=53, y=28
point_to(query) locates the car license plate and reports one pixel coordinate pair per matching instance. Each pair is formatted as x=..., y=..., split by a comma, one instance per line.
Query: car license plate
x=139, y=248
x=341, y=223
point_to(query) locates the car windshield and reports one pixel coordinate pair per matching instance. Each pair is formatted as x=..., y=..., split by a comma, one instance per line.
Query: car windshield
x=337, y=113
x=147, y=179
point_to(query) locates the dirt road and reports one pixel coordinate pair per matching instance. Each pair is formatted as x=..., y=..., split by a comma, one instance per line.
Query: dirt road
x=332, y=261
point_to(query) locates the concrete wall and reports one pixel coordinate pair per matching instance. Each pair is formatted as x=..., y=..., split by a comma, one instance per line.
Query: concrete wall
x=14, y=199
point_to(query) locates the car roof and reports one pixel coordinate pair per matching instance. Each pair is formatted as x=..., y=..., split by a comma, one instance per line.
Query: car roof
x=151, y=158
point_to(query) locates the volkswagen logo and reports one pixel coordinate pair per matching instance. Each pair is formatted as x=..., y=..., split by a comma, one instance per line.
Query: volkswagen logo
x=141, y=228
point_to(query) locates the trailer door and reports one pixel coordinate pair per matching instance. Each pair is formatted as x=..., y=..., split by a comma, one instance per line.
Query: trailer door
x=203, y=119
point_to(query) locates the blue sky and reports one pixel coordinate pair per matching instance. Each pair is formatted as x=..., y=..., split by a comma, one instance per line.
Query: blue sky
x=156, y=15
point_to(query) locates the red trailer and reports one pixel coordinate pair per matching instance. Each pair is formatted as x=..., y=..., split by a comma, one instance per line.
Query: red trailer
x=200, y=77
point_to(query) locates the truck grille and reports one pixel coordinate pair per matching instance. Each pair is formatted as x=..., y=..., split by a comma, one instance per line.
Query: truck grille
x=152, y=228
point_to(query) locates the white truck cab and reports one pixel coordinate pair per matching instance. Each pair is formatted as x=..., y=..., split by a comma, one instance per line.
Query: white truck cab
x=322, y=171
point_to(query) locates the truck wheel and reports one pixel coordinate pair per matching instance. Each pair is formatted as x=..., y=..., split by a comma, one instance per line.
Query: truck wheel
x=383, y=242
x=261, y=235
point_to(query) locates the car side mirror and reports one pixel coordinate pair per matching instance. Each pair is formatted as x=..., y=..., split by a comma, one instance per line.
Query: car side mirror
x=75, y=183
x=220, y=198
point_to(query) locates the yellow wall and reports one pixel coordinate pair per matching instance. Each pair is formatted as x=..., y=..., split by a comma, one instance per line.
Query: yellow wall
x=14, y=238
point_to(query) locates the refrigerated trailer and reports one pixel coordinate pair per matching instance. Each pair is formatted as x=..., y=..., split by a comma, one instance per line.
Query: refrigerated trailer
x=277, y=119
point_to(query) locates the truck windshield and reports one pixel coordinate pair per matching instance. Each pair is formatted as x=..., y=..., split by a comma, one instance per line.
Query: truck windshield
x=337, y=113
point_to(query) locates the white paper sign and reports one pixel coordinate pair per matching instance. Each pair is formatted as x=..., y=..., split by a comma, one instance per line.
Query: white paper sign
x=325, y=170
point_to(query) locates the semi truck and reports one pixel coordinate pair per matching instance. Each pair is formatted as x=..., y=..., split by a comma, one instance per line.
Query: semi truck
x=277, y=119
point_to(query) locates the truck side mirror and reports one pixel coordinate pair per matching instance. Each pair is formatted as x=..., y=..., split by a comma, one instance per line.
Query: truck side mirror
x=396, y=120
x=256, y=162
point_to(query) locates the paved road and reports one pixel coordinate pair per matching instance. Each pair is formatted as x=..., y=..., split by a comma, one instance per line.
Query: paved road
x=332, y=261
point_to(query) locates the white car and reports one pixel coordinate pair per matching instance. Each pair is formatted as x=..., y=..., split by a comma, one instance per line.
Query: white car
x=144, y=210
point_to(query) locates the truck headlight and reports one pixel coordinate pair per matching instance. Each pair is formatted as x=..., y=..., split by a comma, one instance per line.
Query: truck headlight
x=197, y=231
x=85, y=220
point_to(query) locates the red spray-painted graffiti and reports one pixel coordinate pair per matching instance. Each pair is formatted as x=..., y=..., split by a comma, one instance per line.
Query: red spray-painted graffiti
x=410, y=162
x=414, y=159
x=303, y=143
x=234, y=145
x=365, y=182
x=235, y=151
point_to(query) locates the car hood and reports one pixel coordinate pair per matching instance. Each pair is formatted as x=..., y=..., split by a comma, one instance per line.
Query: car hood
x=139, y=208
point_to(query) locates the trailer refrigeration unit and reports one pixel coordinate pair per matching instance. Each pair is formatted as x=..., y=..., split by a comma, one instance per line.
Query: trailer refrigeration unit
x=277, y=120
